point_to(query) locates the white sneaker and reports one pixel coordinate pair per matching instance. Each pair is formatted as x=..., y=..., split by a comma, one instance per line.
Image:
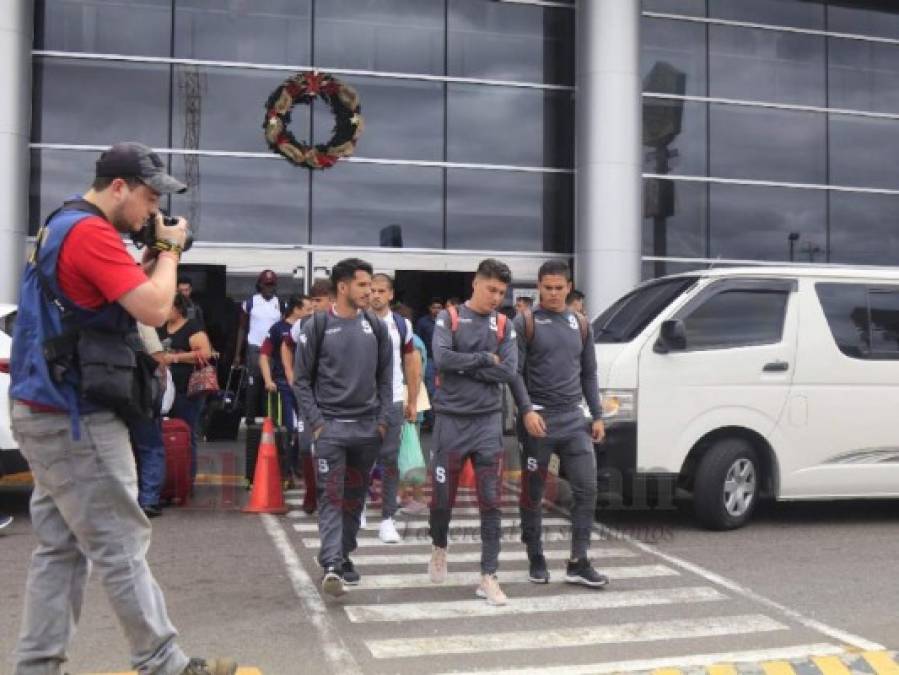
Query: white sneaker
x=490, y=590
x=387, y=532
x=363, y=521
x=437, y=565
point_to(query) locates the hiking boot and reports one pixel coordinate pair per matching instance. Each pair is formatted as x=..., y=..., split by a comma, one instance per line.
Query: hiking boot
x=537, y=572
x=213, y=667
x=490, y=590
x=387, y=532
x=332, y=582
x=350, y=575
x=582, y=572
x=437, y=565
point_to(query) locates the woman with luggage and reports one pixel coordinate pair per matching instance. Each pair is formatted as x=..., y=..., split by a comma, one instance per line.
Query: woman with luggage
x=187, y=346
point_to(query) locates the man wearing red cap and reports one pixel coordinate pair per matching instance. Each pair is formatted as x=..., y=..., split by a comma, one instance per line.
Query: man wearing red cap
x=258, y=314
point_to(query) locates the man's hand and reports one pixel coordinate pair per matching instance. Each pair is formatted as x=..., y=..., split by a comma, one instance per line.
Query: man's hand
x=599, y=431
x=177, y=234
x=497, y=359
x=534, y=424
x=271, y=387
x=411, y=412
x=382, y=431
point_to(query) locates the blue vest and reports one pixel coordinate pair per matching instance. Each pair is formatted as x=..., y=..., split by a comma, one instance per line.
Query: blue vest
x=46, y=313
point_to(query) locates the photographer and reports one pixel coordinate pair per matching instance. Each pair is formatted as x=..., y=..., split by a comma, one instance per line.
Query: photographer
x=80, y=296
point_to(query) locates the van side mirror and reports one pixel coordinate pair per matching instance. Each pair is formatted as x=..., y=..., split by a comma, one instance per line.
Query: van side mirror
x=673, y=337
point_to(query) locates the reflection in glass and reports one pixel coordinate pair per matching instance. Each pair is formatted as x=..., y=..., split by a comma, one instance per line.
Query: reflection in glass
x=103, y=26
x=403, y=118
x=507, y=125
x=57, y=175
x=403, y=36
x=863, y=75
x=685, y=124
x=763, y=223
x=685, y=7
x=878, y=18
x=509, y=211
x=768, y=144
x=846, y=309
x=675, y=219
x=497, y=41
x=651, y=269
x=792, y=13
x=358, y=205
x=681, y=44
x=243, y=200
x=115, y=101
x=765, y=65
x=884, y=307
x=223, y=108
x=261, y=31
x=864, y=228
x=863, y=152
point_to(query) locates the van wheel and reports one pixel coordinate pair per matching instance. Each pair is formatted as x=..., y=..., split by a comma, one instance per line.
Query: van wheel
x=726, y=487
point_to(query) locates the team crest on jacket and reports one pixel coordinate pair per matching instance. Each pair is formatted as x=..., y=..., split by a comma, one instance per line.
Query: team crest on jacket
x=492, y=323
x=573, y=322
x=366, y=327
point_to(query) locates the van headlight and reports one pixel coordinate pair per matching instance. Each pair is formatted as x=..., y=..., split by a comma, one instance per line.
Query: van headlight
x=618, y=405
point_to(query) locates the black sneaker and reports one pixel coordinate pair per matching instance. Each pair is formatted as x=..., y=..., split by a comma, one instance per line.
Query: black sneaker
x=152, y=511
x=332, y=582
x=582, y=572
x=537, y=572
x=213, y=667
x=350, y=575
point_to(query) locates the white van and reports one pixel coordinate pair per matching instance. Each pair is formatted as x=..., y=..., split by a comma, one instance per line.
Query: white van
x=11, y=460
x=742, y=383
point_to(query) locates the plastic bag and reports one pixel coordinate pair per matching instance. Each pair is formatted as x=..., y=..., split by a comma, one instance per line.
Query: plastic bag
x=412, y=466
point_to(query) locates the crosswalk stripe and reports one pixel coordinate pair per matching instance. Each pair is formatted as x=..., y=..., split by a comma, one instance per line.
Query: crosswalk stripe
x=882, y=663
x=691, y=661
x=458, y=524
x=415, y=580
x=582, y=636
x=777, y=668
x=456, y=538
x=375, y=513
x=418, y=611
x=506, y=500
x=830, y=665
x=405, y=558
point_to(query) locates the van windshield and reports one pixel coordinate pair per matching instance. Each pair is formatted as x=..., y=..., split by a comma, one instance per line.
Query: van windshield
x=625, y=319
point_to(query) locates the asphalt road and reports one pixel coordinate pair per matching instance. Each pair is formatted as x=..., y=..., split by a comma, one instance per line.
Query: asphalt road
x=801, y=578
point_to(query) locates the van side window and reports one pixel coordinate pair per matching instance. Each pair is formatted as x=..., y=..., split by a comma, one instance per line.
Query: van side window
x=737, y=318
x=863, y=319
x=627, y=317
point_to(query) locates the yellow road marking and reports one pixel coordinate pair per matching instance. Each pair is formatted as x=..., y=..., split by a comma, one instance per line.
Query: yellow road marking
x=830, y=665
x=778, y=668
x=722, y=670
x=667, y=671
x=240, y=671
x=882, y=663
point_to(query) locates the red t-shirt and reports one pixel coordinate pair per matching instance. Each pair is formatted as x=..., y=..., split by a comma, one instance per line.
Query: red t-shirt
x=94, y=266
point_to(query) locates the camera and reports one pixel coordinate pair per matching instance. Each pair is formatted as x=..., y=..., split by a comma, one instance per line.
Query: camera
x=146, y=235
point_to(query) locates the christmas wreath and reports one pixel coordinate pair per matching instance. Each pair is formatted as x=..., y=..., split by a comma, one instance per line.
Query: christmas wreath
x=303, y=88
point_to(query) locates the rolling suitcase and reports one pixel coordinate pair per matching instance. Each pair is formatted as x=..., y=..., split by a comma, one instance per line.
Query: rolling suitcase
x=283, y=441
x=176, y=439
x=225, y=411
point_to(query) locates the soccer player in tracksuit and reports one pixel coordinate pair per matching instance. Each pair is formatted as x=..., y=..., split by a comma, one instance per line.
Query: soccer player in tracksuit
x=344, y=384
x=472, y=361
x=556, y=368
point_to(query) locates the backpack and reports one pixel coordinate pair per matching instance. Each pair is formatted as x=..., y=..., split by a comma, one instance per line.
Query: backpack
x=320, y=323
x=401, y=327
x=501, y=320
x=530, y=326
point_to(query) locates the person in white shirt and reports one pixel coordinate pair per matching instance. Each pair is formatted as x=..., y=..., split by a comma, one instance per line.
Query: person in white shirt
x=406, y=369
x=258, y=314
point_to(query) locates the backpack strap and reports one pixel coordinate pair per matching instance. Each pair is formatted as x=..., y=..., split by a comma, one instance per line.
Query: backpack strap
x=582, y=324
x=319, y=323
x=501, y=320
x=529, y=325
x=401, y=327
x=454, y=322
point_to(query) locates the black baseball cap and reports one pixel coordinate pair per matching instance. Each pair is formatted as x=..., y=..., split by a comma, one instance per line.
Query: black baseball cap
x=136, y=160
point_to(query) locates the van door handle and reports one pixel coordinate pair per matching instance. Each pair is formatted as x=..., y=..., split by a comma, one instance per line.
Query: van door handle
x=776, y=367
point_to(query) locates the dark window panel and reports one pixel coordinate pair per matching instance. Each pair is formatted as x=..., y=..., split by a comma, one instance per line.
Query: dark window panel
x=793, y=13
x=863, y=75
x=262, y=31
x=864, y=228
x=846, y=310
x=496, y=41
x=884, y=307
x=679, y=44
x=863, y=152
x=509, y=211
x=675, y=218
x=768, y=144
x=243, y=200
x=57, y=175
x=737, y=318
x=403, y=118
x=389, y=35
x=223, y=109
x=764, y=65
x=877, y=18
x=116, y=101
x=685, y=7
x=750, y=222
x=367, y=204
x=683, y=124
x=104, y=26
x=507, y=125
x=653, y=269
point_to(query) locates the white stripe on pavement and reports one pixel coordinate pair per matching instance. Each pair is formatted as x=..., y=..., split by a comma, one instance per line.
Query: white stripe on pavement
x=456, y=524
x=463, y=609
x=375, y=513
x=456, y=538
x=405, y=558
x=413, y=580
x=582, y=636
x=691, y=661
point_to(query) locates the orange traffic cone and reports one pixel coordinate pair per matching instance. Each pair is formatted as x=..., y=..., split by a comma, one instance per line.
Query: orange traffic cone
x=266, y=496
x=466, y=478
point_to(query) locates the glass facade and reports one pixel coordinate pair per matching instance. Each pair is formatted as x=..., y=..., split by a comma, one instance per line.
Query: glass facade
x=770, y=132
x=468, y=106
